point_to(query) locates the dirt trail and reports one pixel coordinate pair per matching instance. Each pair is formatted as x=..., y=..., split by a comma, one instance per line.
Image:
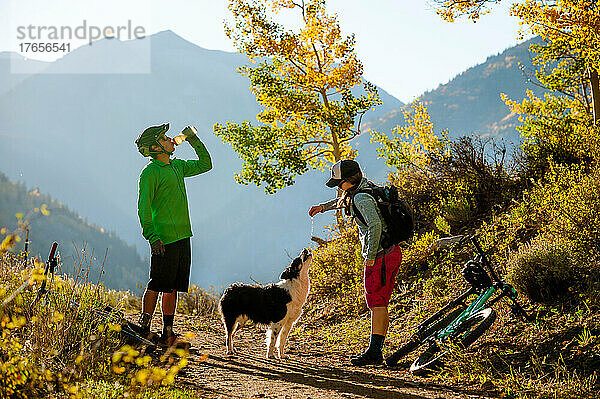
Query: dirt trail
x=311, y=371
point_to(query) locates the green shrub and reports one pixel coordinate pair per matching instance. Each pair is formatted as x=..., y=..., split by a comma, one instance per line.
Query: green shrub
x=456, y=210
x=544, y=269
x=555, y=130
x=571, y=204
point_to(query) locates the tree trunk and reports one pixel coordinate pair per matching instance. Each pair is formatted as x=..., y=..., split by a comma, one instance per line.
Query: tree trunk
x=594, y=82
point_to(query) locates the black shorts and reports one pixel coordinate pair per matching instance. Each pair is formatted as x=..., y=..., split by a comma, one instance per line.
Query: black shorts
x=171, y=271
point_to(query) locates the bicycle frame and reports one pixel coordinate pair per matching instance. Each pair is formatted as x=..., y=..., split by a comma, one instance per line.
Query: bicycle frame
x=481, y=302
x=473, y=308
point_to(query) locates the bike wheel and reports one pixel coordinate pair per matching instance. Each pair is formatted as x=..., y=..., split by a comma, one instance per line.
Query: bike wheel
x=428, y=361
x=411, y=345
x=474, y=327
x=467, y=332
x=404, y=350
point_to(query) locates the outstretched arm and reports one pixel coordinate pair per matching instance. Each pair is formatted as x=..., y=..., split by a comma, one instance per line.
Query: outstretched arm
x=202, y=164
x=324, y=207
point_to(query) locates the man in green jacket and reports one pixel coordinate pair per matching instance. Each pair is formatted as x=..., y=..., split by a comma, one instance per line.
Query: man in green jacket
x=165, y=220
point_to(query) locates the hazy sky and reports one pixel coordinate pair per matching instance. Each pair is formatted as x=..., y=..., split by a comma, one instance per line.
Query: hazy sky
x=405, y=47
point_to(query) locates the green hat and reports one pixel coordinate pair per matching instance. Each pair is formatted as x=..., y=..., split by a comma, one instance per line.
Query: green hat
x=149, y=137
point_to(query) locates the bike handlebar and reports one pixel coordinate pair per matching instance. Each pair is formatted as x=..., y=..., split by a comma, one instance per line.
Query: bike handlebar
x=50, y=265
x=52, y=251
x=51, y=256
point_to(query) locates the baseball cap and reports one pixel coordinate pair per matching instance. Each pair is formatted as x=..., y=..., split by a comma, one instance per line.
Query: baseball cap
x=342, y=170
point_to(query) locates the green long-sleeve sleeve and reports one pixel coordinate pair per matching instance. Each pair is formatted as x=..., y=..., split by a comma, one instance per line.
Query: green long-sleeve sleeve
x=147, y=190
x=200, y=165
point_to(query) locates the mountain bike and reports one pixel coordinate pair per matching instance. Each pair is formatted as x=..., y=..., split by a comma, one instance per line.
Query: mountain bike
x=458, y=322
x=131, y=333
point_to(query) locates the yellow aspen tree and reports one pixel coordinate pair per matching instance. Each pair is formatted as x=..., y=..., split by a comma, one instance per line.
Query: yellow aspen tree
x=303, y=78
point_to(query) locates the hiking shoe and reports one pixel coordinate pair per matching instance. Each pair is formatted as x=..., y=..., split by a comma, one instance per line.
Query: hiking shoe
x=170, y=339
x=366, y=359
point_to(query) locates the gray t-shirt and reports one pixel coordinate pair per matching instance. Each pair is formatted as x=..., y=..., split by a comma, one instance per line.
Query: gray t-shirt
x=369, y=233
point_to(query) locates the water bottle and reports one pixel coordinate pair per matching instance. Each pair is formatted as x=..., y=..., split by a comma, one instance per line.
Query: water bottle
x=185, y=133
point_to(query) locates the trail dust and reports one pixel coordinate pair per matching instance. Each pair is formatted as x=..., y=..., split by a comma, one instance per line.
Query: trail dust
x=312, y=370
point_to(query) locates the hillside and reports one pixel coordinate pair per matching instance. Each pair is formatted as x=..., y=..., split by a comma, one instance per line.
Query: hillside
x=123, y=268
x=470, y=103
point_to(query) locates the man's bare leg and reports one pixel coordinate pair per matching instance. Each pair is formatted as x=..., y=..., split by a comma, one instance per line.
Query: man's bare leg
x=169, y=303
x=148, y=305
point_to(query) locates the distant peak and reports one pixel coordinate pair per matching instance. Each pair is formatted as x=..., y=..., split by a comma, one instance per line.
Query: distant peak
x=166, y=33
x=171, y=39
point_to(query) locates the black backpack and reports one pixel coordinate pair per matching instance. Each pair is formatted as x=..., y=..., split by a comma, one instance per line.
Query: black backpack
x=396, y=212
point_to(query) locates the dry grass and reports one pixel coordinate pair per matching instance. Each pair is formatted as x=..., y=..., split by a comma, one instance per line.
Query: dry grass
x=56, y=348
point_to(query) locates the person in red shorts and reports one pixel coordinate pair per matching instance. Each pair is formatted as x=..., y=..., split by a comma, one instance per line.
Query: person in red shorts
x=380, y=264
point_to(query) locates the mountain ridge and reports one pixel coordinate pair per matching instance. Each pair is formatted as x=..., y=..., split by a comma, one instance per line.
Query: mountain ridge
x=470, y=103
x=122, y=269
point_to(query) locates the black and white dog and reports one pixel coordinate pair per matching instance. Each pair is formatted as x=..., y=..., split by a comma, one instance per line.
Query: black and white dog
x=276, y=305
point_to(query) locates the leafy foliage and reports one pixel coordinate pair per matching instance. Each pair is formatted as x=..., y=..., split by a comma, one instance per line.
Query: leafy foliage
x=336, y=274
x=304, y=80
x=412, y=147
x=55, y=349
x=555, y=130
x=198, y=301
x=567, y=205
x=449, y=10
